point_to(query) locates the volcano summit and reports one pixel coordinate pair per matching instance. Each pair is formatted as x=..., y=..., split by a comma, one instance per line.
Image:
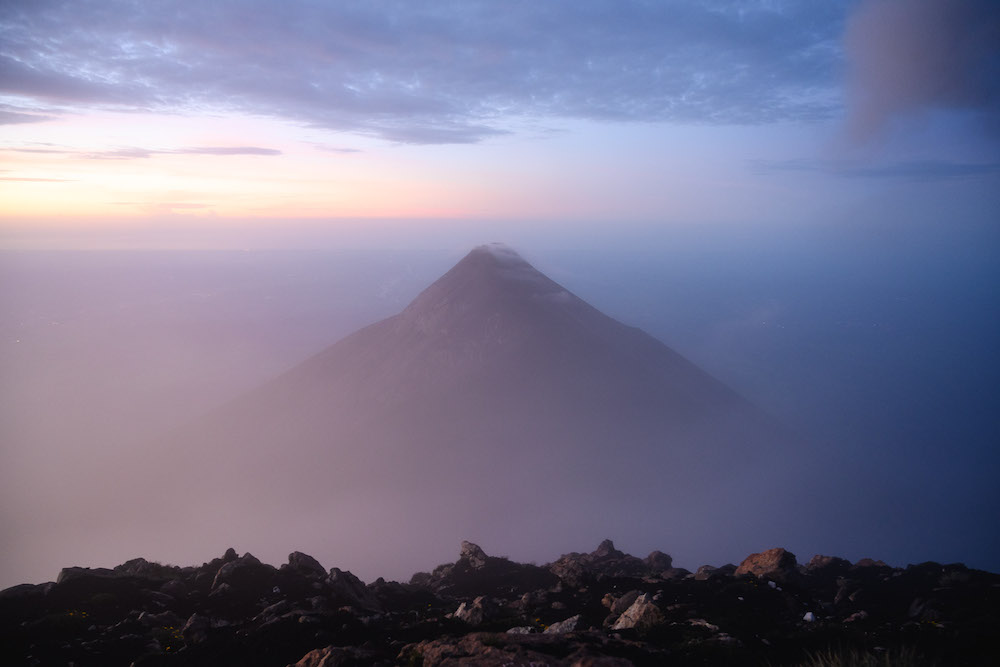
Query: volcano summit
x=497, y=405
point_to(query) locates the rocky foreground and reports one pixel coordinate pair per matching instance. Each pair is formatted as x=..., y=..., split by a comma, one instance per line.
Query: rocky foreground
x=600, y=608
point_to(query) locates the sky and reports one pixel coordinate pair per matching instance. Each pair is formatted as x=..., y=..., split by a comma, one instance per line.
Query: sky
x=801, y=197
x=484, y=111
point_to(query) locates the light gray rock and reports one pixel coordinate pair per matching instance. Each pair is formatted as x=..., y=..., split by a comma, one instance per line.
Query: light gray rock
x=473, y=555
x=642, y=615
x=571, y=624
x=477, y=611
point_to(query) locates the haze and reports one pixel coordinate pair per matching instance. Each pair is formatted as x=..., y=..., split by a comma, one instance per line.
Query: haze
x=802, y=200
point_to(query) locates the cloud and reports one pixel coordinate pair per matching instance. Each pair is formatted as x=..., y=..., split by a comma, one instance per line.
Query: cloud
x=443, y=72
x=120, y=154
x=913, y=170
x=138, y=153
x=336, y=149
x=907, y=56
x=36, y=180
x=8, y=117
x=164, y=206
x=227, y=150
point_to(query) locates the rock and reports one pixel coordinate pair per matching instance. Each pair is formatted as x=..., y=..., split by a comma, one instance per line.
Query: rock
x=674, y=573
x=533, y=599
x=482, y=649
x=260, y=615
x=702, y=623
x=76, y=573
x=221, y=591
x=161, y=620
x=195, y=630
x=337, y=656
x=26, y=591
x=571, y=624
x=475, y=612
x=827, y=565
x=273, y=611
x=473, y=555
x=575, y=569
x=606, y=549
x=776, y=564
x=174, y=588
x=237, y=571
x=621, y=604
x=352, y=590
x=305, y=565
x=642, y=615
x=657, y=561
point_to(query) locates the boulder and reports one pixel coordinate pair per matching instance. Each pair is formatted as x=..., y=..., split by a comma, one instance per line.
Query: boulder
x=305, y=565
x=825, y=566
x=195, y=630
x=642, y=615
x=575, y=569
x=657, y=562
x=68, y=574
x=776, y=564
x=174, y=588
x=161, y=620
x=26, y=591
x=337, y=656
x=619, y=605
x=473, y=555
x=352, y=590
x=606, y=549
x=476, y=612
x=236, y=572
x=571, y=624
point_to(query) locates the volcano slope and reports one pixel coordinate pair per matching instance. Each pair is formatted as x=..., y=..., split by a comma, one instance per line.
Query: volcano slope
x=499, y=406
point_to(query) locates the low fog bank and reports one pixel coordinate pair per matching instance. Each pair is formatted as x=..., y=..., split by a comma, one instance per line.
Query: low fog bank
x=878, y=344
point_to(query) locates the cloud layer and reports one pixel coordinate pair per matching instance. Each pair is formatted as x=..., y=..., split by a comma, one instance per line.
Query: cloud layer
x=443, y=72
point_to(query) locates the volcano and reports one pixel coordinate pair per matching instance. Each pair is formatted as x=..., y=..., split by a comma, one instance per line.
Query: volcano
x=497, y=406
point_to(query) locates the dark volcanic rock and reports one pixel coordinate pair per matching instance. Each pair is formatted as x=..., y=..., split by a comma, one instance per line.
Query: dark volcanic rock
x=475, y=573
x=352, y=590
x=576, y=569
x=305, y=565
x=827, y=565
x=483, y=610
x=657, y=561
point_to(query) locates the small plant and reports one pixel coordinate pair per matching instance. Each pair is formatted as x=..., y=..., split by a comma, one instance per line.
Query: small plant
x=169, y=637
x=903, y=657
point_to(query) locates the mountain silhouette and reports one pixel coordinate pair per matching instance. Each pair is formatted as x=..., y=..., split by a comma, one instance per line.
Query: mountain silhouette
x=496, y=405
